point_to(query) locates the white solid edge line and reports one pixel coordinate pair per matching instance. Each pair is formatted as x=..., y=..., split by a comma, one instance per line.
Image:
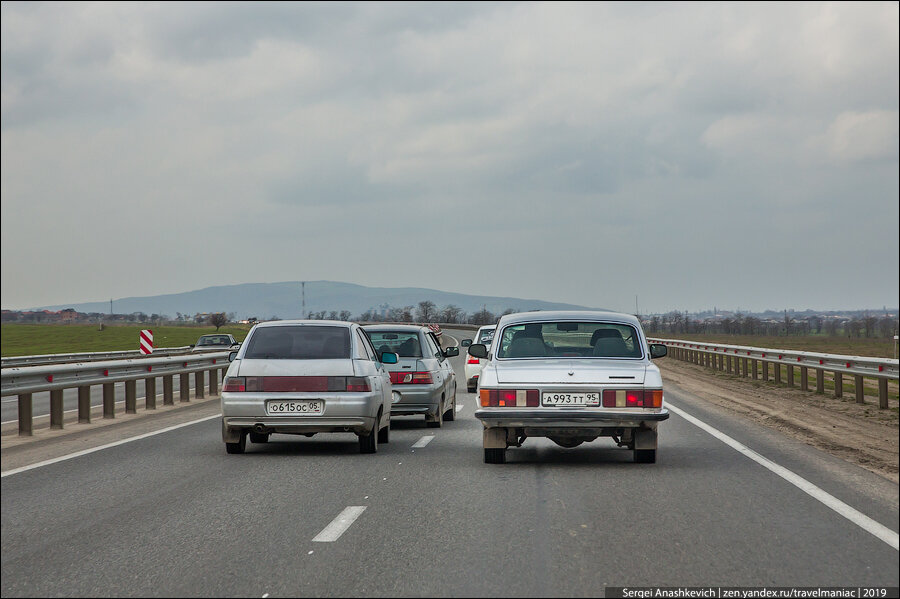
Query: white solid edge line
x=339, y=525
x=459, y=408
x=423, y=441
x=853, y=515
x=102, y=447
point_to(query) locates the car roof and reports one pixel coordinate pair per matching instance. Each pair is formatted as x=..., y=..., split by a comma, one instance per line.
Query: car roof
x=406, y=328
x=298, y=322
x=569, y=315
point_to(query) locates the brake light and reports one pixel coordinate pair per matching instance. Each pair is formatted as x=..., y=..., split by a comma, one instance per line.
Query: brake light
x=509, y=398
x=233, y=384
x=281, y=384
x=632, y=398
x=411, y=378
x=472, y=360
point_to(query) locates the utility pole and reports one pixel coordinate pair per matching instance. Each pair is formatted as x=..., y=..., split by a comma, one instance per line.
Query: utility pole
x=110, y=307
x=303, y=309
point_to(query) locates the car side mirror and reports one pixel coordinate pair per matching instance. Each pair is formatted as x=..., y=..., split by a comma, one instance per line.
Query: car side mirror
x=658, y=350
x=389, y=357
x=478, y=350
x=191, y=346
x=451, y=351
x=232, y=356
x=466, y=342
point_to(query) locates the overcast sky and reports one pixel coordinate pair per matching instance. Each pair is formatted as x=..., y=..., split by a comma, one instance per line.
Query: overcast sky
x=743, y=156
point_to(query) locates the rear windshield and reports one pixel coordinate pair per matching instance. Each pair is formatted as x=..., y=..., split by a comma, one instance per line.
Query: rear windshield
x=405, y=344
x=486, y=336
x=569, y=340
x=299, y=343
x=215, y=340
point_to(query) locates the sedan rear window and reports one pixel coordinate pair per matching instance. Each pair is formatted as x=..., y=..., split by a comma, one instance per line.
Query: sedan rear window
x=299, y=343
x=405, y=344
x=569, y=340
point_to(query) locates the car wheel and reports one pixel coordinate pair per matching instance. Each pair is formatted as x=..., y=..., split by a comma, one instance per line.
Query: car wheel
x=645, y=456
x=369, y=443
x=259, y=437
x=384, y=435
x=450, y=415
x=238, y=447
x=494, y=455
x=470, y=388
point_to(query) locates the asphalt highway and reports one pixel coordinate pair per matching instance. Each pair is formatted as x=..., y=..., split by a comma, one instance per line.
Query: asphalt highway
x=173, y=515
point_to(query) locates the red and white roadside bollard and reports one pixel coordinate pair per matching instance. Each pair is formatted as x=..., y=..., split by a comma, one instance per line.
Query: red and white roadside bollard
x=146, y=341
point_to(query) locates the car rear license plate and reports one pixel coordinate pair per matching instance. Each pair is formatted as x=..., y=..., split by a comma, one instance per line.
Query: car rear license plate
x=303, y=407
x=571, y=399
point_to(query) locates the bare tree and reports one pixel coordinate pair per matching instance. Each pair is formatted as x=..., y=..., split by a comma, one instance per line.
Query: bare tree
x=451, y=313
x=345, y=314
x=426, y=311
x=217, y=319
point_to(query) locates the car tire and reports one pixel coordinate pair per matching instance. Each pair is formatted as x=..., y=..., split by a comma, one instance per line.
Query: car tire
x=470, y=388
x=645, y=456
x=450, y=415
x=238, y=447
x=259, y=437
x=494, y=455
x=369, y=443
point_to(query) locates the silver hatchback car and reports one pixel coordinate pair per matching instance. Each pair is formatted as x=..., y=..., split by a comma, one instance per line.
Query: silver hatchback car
x=570, y=377
x=423, y=379
x=305, y=377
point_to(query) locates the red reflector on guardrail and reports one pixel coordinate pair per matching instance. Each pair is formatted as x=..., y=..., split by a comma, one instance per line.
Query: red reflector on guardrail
x=214, y=360
x=849, y=364
x=49, y=378
x=149, y=369
x=106, y=372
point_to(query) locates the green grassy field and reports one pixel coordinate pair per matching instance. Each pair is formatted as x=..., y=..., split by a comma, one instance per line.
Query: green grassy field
x=873, y=348
x=38, y=339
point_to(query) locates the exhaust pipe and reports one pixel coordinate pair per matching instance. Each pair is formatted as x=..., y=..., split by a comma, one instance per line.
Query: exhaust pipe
x=260, y=428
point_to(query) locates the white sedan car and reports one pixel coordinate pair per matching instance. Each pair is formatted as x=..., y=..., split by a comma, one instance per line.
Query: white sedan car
x=570, y=377
x=483, y=336
x=304, y=377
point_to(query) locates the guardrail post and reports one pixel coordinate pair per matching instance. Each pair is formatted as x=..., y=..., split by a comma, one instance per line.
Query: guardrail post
x=184, y=387
x=131, y=397
x=860, y=389
x=56, y=408
x=790, y=375
x=746, y=364
x=84, y=405
x=804, y=378
x=109, y=400
x=25, y=419
x=765, y=371
x=214, y=381
x=882, y=394
x=820, y=380
x=777, y=369
x=168, y=390
x=838, y=385
x=754, y=369
x=198, y=384
x=150, y=393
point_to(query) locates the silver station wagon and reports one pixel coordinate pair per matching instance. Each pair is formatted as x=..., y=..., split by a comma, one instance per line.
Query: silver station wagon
x=570, y=377
x=306, y=377
x=423, y=379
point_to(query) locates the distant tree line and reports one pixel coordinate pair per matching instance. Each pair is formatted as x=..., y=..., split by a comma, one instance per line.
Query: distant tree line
x=864, y=326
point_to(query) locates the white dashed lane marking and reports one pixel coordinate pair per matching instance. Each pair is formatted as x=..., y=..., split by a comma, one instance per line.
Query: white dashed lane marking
x=339, y=525
x=423, y=441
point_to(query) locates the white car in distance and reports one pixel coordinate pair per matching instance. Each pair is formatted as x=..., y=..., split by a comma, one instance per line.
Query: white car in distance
x=483, y=336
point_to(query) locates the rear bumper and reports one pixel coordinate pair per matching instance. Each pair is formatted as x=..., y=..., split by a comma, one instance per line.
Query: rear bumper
x=421, y=400
x=303, y=424
x=344, y=412
x=562, y=419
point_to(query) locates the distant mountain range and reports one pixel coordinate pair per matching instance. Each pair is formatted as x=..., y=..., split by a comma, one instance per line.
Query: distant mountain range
x=283, y=300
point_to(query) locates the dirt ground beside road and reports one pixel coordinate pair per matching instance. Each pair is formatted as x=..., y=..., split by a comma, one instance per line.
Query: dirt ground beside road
x=859, y=434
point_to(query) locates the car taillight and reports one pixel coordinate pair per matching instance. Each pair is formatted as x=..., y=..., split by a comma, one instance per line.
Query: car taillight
x=632, y=398
x=233, y=384
x=472, y=360
x=411, y=378
x=281, y=384
x=509, y=398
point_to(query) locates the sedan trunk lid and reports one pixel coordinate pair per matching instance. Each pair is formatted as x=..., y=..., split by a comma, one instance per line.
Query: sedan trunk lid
x=570, y=371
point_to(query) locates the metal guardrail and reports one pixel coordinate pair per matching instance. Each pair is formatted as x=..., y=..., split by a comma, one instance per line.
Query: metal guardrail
x=24, y=381
x=754, y=362
x=88, y=357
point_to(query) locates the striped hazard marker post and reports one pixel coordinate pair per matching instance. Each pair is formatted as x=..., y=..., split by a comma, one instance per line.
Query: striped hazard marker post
x=146, y=341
